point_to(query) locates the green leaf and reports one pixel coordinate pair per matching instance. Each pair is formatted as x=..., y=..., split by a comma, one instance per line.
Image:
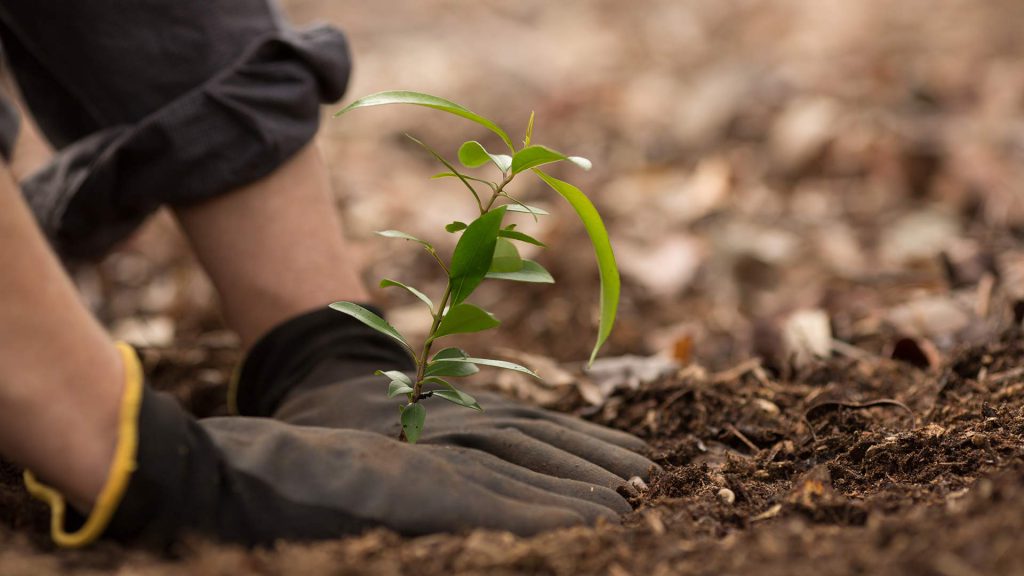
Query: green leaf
x=533, y=156
x=449, y=368
x=450, y=352
x=473, y=254
x=373, y=321
x=523, y=208
x=506, y=257
x=455, y=226
x=465, y=179
x=529, y=130
x=530, y=272
x=513, y=235
x=459, y=397
x=464, y=318
x=610, y=283
x=412, y=421
x=400, y=383
x=385, y=283
x=472, y=154
x=403, y=236
x=395, y=376
x=494, y=363
x=454, y=395
x=396, y=388
x=420, y=99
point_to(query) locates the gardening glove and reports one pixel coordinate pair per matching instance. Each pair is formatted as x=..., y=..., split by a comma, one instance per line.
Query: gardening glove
x=317, y=370
x=257, y=480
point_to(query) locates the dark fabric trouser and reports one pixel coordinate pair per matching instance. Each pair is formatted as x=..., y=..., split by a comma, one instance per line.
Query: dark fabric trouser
x=154, y=102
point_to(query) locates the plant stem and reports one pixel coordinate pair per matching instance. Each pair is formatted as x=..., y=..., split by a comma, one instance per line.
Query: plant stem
x=421, y=365
x=497, y=192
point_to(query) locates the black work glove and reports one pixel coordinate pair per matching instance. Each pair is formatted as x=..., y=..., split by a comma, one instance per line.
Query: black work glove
x=317, y=370
x=257, y=480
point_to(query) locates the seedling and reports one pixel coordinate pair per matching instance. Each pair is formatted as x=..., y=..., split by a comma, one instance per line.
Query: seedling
x=486, y=249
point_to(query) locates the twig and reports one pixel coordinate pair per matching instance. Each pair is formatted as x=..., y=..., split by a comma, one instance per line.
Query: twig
x=834, y=404
x=736, y=371
x=743, y=438
x=998, y=377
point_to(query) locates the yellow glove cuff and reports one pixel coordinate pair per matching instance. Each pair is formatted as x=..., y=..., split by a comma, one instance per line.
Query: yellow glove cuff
x=121, y=467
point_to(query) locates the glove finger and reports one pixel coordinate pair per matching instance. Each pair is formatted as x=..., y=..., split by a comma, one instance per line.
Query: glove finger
x=595, y=501
x=320, y=482
x=619, y=461
x=499, y=406
x=604, y=433
x=492, y=502
x=514, y=446
x=515, y=482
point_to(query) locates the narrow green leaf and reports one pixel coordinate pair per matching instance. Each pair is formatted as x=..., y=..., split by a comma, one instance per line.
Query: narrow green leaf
x=513, y=235
x=523, y=208
x=373, y=321
x=473, y=254
x=530, y=272
x=472, y=154
x=610, y=283
x=506, y=257
x=459, y=397
x=465, y=179
x=403, y=236
x=449, y=368
x=494, y=363
x=529, y=130
x=455, y=226
x=453, y=394
x=412, y=421
x=420, y=99
x=533, y=156
x=492, y=185
x=385, y=283
x=464, y=318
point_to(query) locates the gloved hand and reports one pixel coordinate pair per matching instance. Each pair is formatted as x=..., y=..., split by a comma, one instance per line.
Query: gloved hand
x=316, y=370
x=256, y=480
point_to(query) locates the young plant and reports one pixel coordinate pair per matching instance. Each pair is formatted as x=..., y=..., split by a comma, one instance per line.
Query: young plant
x=486, y=249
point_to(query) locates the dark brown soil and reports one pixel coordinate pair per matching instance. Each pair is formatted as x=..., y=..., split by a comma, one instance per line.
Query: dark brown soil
x=897, y=472
x=858, y=163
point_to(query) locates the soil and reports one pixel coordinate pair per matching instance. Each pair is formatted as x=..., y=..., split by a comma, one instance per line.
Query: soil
x=765, y=169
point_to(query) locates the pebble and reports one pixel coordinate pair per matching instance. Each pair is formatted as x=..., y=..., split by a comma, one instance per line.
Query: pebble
x=726, y=495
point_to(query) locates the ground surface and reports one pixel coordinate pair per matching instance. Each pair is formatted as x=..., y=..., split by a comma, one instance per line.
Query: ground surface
x=779, y=179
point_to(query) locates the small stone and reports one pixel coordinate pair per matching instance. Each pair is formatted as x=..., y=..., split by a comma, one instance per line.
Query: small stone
x=638, y=484
x=727, y=496
x=766, y=406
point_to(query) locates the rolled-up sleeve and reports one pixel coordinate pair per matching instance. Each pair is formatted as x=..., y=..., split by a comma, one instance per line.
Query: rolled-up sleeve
x=206, y=129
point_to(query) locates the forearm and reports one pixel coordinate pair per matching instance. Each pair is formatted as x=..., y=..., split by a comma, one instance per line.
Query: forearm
x=60, y=376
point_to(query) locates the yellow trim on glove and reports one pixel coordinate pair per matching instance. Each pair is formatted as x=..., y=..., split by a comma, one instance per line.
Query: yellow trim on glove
x=121, y=467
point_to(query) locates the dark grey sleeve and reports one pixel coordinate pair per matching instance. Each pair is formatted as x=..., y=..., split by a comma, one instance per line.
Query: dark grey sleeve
x=153, y=102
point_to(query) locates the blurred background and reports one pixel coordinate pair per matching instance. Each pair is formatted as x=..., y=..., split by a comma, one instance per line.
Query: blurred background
x=774, y=175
